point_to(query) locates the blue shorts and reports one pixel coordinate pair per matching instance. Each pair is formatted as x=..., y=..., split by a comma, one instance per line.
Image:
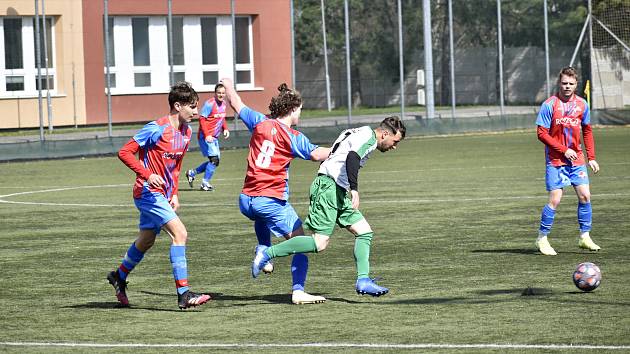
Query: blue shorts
x=155, y=211
x=558, y=177
x=209, y=149
x=279, y=215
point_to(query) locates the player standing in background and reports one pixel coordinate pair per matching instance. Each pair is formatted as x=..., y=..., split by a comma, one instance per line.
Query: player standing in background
x=561, y=119
x=265, y=195
x=161, y=145
x=211, y=124
x=334, y=199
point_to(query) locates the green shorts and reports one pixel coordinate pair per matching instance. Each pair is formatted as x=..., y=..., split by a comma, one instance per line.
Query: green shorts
x=329, y=205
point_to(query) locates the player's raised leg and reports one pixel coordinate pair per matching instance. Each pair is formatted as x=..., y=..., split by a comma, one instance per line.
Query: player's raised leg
x=133, y=256
x=263, y=235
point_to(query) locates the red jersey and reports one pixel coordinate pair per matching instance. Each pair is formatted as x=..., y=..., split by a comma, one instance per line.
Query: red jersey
x=560, y=125
x=161, y=150
x=271, y=148
x=211, y=119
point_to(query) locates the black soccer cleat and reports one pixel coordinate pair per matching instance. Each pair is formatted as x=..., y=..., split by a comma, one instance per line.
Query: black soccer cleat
x=190, y=177
x=120, y=286
x=190, y=299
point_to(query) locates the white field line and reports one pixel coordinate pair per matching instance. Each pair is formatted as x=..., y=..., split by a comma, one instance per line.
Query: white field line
x=321, y=345
x=367, y=171
x=374, y=201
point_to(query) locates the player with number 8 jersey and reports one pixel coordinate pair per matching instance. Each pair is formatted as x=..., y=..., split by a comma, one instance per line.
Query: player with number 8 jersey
x=265, y=195
x=272, y=147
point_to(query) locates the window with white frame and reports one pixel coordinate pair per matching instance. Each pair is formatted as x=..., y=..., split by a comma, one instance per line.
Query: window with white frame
x=244, y=63
x=201, y=50
x=179, y=70
x=18, y=64
x=108, y=53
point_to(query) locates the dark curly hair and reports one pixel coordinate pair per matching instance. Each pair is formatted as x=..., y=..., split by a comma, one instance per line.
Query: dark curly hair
x=285, y=102
x=183, y=93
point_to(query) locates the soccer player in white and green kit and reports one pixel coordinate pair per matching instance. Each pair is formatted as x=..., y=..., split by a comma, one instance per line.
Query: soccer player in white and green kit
x=334, y=199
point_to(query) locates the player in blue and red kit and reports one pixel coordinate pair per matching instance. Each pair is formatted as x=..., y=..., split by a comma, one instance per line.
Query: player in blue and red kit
x=211, y=124
x=161, y=146
x=265, y=195
x=563, y=117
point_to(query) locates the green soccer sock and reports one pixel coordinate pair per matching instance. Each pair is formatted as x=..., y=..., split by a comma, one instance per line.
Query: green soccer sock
x=297, y=244
x=362, y=254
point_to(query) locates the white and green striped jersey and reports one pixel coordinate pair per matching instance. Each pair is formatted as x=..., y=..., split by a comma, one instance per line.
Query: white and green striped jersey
x=362, y=140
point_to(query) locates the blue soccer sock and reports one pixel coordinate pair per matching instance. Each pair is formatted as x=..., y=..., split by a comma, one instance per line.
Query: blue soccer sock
x=129, y=261
x=180, y=268
x=210, y=167
x=201, y=167
x=263, y=234
x=546, y=219
x=299, y=268
x=585, y=216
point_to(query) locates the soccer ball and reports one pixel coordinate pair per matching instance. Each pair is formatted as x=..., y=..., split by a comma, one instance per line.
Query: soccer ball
x=587, y=276
x=268, y=268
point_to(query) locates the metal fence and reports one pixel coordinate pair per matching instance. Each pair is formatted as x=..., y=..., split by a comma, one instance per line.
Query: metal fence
x=504, y=51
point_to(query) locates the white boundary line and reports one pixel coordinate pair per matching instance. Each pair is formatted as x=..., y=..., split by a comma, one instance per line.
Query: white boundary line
x=385, y=201
x=320, y=345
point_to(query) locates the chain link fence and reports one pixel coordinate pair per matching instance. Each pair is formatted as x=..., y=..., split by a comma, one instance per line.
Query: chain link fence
x=374, y=51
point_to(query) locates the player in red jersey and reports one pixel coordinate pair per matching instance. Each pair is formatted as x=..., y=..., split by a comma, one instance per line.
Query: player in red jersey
x=161, y=146
x=265, y=195
x=211, y=124
x=561, y=119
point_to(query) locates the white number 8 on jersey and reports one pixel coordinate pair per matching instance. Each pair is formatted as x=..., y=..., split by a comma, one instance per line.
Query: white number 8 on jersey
x=266, y=152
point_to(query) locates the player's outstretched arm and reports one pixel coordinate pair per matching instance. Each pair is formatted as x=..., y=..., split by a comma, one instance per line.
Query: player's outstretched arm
x=232, y=96
x=320, y=154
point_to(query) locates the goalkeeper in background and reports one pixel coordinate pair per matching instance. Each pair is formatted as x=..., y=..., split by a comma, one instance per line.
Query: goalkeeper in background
x=561, y=119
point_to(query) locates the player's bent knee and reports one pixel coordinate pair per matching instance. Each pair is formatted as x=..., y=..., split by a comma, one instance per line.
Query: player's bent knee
x=214, y=160
x=321, y=241
x=360, y=227
x=176, y=229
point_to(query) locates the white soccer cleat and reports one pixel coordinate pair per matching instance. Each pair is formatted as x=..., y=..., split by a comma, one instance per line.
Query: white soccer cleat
x=545, y=248
x=300, y=297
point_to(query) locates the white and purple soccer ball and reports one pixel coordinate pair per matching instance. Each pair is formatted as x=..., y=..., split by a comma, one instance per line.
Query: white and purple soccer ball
x=587, y=276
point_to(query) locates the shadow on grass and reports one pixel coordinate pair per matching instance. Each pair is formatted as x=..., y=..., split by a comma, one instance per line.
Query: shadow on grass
x=532, y=250
x=272, y=298
x=508, y=250
x=117, y=306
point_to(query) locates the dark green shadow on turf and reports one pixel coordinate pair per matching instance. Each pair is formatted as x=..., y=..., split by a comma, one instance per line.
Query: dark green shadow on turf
x=506, y=250
x=525, y=251
x=115, y=305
